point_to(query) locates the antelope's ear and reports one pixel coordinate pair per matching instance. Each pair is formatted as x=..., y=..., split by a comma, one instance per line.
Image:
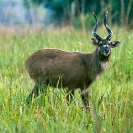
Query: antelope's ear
x=94, y=41
x=115, y=44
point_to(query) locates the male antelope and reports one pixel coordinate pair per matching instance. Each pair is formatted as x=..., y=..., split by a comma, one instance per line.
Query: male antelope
x=71, y=69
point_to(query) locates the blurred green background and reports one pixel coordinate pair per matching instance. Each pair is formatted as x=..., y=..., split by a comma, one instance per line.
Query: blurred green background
x=73, y=13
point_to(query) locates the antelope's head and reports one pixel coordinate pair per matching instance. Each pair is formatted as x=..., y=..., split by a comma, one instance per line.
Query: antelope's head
x=104, y=45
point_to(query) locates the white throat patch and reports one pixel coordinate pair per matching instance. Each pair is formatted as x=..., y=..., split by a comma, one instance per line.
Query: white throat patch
x=104, y=65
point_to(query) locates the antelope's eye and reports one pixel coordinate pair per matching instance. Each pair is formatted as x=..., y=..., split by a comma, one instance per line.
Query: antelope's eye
x=100, y=43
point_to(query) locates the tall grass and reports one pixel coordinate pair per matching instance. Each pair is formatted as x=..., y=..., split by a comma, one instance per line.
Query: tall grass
x=111, y=96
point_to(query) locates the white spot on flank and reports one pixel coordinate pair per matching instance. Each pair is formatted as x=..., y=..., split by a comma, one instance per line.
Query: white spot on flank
x=104, y=65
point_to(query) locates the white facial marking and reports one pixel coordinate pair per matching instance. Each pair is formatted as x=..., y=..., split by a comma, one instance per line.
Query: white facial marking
x=113, y=43
x=105, y=54
x=100, y=42
x=105, y=46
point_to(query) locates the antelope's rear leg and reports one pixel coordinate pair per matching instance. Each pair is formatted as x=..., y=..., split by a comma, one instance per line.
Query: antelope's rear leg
x=34, y=93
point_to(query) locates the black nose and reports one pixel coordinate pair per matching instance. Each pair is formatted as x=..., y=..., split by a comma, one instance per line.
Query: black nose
x=106, y=49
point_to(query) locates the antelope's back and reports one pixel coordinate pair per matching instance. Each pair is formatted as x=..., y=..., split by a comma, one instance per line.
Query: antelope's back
x=41, y=57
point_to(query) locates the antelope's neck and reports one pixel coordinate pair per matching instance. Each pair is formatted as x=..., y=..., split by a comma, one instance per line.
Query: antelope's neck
x=101, y=62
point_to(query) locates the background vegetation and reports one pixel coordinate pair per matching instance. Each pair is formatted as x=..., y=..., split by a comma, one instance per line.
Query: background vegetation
x=77, y=13
x=111, y=96
x=71, y=13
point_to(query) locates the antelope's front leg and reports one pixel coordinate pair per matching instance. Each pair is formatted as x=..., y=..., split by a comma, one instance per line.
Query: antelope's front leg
x=85, y=97
x=33, y=93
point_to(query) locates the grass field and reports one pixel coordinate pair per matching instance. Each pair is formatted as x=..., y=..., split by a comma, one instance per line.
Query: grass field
x=111, y=96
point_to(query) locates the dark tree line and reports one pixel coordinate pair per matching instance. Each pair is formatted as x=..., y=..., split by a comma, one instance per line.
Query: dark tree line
x=78, y=12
